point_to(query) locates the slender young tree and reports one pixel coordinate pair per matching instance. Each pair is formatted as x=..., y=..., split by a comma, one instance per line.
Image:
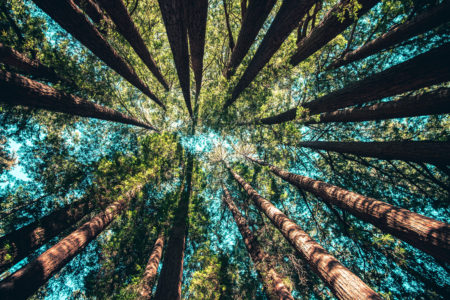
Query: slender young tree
x=426, y=234
x=19, y=90
x=342, y=282
x=264, y=263
x=151, y=270
x=227, y=23
x=94, y=12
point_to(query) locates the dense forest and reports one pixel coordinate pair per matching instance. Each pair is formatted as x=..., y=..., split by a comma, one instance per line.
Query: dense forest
x=224, y=149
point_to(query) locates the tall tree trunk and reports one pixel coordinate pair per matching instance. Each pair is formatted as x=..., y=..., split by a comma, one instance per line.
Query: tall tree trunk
x=426, y=234
x=342, y=282
x=243, y=9
x=170, y=278
x=264, y=264
x=253, y=20
x=18, y=90
x=436, y=153
x=93, y=11
x=422, y=23
x=67, y=14
x=227, y=22
x=286, y=20
x=151, y=270
x=118, y=12
x=329, y=28
x=176, y=27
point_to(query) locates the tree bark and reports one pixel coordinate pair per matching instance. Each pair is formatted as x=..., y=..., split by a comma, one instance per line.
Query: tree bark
x=18, y=90
x=118, y=12
x=286, y=20
x=436, y=153
x=342, y=282
x=264, y=264
x=72, y=19
x=426, y=234
x=176, y=27
x=253, y=20
x=227, y=22
x=328, y=29
x=151, y=270
x=422, y=23
x=93, y=11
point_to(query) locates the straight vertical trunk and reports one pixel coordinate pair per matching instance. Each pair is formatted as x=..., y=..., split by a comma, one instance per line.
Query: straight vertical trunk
x=286, y=20
x=330, y=27
x=426, y=234
x=174, y=19
x=151, y=270
x=72, y=19
x=118, y=12
x=422, y=23
x=18, y=90
x=436, y=153
x=93, y=11
x=253, y=20
x=264, y=264
x=342, y=282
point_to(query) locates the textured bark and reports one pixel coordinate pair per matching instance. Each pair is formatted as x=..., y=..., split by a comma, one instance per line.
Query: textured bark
x=27, y=280
x=72, y=19
x=118, y=12
x=426, y=234
x=227, y=22
x=286, y=20
x=18, y=90
x=422, y=23
x=174, y=19
x=264, y=264
x=342, y=282
x=93, y=11
x=151, y=270
x=436, y=153
x=432, y=103
x=253, y=20
x=328, y=29
x=197, y=16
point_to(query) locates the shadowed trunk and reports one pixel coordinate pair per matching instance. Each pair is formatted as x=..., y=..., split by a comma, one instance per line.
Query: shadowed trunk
x=253, y=20
x=286, y=20
x=72, y=19
x=436, y=153
x=342, y=282
x=422, y=23
x=93, y=11
x=118, y=12
x=18, y=90
x=151, y=270
x=330, y=27
x=243, y=9
x=174, y=19
x=264, y=264
x=227, y=22
x=426, y=234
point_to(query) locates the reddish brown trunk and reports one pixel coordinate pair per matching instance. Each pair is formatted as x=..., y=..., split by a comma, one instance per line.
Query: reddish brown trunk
x=174, y=19
x=417, y=151
x=286, y=20
x=328, y=29
x=227, y=22
x=264, y=264
x=399, y=33
x=72, y=19
x=252, y=23
x=151, y=270
x=426, y=234
x=18, y=90
x=93, y=11
x=342, y=282
x=27, y=280
x=118, y=12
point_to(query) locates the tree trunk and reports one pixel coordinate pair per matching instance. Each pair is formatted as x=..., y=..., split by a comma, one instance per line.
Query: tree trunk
x=286, y=20
x=342, y=282
x=174, y=19
x=252, y=23
x=426, y=234
x=422, y=23
x=227, y=22
x=243, y=9
x=436, y=153
x=93, y=11
x=72, y=19
x=151, y=270
x=118, y=12
x=328, y=29
x=18, y=90
x=264, y=264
